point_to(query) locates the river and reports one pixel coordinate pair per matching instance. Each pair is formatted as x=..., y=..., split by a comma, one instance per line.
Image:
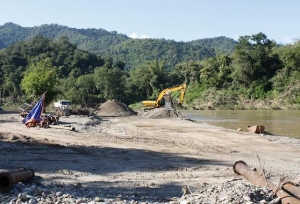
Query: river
x=276, y=122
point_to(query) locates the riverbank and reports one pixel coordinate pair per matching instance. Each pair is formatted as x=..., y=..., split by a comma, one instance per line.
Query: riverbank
x=215, y=101
x=276, y=122
x=141, y=159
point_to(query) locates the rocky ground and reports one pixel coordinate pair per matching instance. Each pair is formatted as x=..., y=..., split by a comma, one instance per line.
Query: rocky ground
x=151, y=157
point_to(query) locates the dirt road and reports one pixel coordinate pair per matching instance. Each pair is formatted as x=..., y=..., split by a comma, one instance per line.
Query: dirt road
x=133, y=156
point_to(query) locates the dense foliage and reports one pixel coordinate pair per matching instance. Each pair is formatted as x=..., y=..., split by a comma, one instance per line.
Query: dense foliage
x=39, y=64
x=119, y=47
x=257, y=71
x=222, y=45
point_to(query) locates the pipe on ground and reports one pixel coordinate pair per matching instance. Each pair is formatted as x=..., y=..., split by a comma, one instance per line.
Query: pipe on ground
x=240, y=167
x=62, y=127
x=291, y=189
x=9, y=178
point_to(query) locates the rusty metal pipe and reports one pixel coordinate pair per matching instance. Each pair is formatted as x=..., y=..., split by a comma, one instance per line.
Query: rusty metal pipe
x=240, y=167
x=8, y=178
x=291, y=189
x=253, y=177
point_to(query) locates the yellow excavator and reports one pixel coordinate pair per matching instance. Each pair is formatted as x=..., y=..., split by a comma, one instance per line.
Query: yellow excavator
x=164, y=99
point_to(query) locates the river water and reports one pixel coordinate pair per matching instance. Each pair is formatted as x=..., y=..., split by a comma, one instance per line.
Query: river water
x=276, y=122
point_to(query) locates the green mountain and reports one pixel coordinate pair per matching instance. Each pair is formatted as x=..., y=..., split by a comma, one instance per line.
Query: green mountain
x=220, y=44
x=119, y=47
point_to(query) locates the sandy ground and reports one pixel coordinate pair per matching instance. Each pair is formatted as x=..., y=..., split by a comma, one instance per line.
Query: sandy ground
x=151, y=158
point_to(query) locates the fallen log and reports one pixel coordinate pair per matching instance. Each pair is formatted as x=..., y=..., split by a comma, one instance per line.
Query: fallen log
x=8, y=178
x=241, y=168
x=62, y=127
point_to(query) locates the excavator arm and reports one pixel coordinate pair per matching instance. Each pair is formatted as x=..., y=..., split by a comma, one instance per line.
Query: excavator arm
x=182, y=89
x=182, y=94
x=157, y=103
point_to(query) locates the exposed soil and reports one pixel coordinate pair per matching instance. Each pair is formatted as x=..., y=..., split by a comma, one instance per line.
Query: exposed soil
x=149, y=156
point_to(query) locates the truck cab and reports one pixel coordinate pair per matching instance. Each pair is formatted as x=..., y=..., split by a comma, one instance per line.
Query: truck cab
x=63, y=104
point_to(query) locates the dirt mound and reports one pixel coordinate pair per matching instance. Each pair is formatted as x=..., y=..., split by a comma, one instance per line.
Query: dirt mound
x=161, y=113
x=113, y=108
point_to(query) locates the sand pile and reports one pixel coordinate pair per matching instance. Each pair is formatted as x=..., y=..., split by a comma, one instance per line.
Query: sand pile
x=114, y=108
x=161, y=113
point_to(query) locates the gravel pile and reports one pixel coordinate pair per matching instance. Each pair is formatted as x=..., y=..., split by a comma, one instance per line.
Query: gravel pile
x=89, y=125
x=239, y=191
x=230, y=192
x=114, y=108
x=82, y=123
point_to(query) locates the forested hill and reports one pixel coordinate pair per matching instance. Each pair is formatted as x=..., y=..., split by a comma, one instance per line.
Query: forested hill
x=220, y=44
x=119, y=46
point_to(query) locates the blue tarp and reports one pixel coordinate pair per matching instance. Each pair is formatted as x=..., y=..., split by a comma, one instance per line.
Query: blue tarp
x=36, y=111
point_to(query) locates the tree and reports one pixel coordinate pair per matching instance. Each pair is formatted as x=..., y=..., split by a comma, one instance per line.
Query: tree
x=110, y=82
x=254, y=60
x=158, y=76
x=40, y=78
x=188, y=71
x=139, y=82
x=289, y=74
x=82, y=91
x=11, y=81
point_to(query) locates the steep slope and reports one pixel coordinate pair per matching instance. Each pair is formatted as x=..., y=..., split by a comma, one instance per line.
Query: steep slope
x=86, y=39
x=120, y=47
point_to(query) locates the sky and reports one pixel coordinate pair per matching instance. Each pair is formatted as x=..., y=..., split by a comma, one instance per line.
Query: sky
x=179, y=20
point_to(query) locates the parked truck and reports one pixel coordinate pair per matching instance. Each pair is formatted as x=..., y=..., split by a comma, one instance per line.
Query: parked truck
x=63, y=104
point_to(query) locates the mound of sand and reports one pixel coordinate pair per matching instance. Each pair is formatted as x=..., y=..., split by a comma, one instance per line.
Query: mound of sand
x=161, y=113
x=114, y=108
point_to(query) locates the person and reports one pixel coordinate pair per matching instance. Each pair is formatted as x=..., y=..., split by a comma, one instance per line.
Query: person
x=31, y=123
x=44, y=122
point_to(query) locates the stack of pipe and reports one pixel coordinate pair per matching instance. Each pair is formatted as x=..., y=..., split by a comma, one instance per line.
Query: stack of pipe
x=288, y=192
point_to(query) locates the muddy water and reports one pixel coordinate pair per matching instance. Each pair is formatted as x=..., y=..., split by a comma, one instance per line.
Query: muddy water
x=276, y=122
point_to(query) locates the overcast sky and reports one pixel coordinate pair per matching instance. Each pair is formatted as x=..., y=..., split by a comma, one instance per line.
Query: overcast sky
x=179, y=20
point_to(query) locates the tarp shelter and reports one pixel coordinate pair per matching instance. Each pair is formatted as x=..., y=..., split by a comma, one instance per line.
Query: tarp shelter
x=34, y=116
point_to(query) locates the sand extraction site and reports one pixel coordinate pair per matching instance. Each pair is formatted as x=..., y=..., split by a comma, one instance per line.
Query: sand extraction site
x=117, y=155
